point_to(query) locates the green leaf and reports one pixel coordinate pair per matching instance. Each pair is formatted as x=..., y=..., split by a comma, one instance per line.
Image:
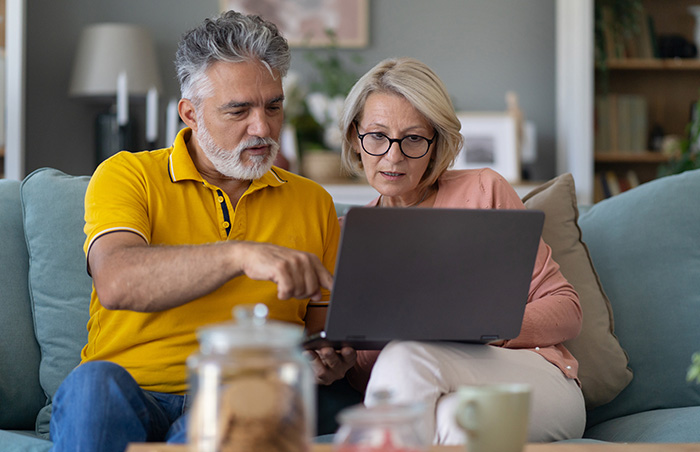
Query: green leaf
x=694, y=369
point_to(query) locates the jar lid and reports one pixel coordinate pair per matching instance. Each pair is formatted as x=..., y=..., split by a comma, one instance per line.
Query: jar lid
x=251, y=329
x=383, y=413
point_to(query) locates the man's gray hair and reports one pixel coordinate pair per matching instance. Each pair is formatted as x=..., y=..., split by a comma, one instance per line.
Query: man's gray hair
x=230, y=37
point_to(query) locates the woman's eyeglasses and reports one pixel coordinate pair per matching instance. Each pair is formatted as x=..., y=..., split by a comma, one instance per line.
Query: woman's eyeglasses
x=412, y=146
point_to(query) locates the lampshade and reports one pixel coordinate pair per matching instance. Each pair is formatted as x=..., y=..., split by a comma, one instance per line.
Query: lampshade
x=108, y=49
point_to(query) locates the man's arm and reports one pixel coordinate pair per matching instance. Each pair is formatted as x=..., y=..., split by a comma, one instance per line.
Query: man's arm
x=130, y=274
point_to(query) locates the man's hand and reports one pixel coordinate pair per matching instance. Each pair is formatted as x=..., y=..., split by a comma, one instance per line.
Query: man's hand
x=330, y=365
x=297, y=274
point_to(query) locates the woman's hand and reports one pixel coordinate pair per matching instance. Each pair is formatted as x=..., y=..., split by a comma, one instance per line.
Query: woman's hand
x=329, y=364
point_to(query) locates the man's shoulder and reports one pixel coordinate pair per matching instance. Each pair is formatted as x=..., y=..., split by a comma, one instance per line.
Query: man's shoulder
x=141, y=158
x=145, y=163
x=298, y=182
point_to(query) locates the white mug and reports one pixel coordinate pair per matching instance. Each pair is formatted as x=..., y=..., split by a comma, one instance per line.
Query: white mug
x=495, y=417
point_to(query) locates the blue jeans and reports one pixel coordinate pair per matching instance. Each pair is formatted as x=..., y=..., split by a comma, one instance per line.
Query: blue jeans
x=100, y=407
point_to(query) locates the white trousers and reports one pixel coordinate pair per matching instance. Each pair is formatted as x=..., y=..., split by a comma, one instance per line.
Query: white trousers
x=432, y=372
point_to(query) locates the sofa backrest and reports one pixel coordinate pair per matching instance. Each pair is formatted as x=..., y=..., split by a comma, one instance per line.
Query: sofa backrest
x=59, y=286
x=645, y=244
x=21, y=396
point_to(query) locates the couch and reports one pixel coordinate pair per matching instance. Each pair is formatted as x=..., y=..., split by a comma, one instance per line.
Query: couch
x=636, y=254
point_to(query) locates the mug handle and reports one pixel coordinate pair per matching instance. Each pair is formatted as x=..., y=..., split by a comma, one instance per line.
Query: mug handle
x=467, y=415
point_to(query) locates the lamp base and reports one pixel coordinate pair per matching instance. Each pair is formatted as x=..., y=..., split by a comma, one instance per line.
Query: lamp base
x=110, y=137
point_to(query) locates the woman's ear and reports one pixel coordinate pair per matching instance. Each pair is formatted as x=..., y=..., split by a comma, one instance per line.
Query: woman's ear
x=355, y=140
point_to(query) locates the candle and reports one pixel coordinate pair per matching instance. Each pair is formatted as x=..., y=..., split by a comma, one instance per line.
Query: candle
x=122, y=99
x=152, y=115
x=171, y=121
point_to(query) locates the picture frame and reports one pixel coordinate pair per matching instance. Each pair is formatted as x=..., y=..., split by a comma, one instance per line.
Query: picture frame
x=490, y=141
x=305, y=23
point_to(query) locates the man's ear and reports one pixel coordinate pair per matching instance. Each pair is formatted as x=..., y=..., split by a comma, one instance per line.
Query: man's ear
x=188, y=114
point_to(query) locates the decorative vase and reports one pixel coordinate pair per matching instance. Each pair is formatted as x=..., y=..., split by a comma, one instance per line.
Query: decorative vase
x=322, y=166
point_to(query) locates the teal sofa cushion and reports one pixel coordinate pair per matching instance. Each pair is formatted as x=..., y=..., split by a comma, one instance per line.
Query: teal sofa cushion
x=672, y=425
x=645, y=245
x=21, y=396
x=22, y=442
x=53, y=210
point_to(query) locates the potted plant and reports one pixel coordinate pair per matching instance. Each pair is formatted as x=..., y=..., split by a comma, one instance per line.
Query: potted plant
x=313, y=109
x=685, y=157
x=616, y=20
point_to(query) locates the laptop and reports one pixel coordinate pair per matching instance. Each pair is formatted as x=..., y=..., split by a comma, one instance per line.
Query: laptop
x=458, y=275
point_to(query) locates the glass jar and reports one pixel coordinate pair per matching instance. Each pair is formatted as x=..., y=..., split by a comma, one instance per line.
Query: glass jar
x=253, y=390
x=385, y=427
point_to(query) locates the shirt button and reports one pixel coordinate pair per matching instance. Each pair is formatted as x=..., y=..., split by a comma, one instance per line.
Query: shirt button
x=220, y=199
x=568, y=367
x=537, y=348
x=226, y=224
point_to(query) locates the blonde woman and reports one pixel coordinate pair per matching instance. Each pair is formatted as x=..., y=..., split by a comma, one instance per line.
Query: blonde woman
x=400, y=130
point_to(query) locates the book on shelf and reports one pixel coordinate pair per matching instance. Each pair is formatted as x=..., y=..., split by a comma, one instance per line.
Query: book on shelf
x=610, y=183
x=602, y=180
x=611, y=42
x=623, y=184
x=643, y=46
x=598, y=189
x=621, y=123
x=632, y=178
x=652, y=37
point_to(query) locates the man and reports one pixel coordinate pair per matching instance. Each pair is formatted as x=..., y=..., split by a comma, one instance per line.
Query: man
x=177, y=237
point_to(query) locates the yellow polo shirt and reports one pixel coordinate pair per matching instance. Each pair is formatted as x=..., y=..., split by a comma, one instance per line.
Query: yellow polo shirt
x=161, y=196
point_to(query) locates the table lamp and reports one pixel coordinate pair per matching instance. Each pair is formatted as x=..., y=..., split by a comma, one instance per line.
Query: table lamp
x=115, y=62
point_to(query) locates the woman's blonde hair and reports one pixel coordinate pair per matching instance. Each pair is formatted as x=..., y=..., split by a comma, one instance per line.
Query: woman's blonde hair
x=422, y=88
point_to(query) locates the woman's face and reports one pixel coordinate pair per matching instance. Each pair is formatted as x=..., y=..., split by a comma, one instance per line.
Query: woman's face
x=393, y=175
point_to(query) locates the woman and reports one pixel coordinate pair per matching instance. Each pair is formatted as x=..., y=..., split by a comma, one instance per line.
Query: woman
x=400, y=128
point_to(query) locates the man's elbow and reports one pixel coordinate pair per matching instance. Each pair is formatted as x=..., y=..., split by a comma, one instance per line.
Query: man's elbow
x=112, y=295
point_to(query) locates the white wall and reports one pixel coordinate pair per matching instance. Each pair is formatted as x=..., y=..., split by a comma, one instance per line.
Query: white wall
x=14, y=66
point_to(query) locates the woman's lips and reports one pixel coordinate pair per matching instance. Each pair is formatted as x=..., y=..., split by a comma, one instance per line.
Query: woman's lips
x=391, y=174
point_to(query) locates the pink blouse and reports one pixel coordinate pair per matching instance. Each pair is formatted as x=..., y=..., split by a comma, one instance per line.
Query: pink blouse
x=553, y=313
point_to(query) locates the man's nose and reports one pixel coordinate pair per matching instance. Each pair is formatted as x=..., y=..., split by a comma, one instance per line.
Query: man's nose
x=259, y=125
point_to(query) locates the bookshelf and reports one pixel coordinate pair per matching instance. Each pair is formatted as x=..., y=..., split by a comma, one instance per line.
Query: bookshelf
x=660, y=91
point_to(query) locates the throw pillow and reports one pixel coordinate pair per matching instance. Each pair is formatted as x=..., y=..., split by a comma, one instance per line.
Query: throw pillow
x=645, y=244
x=59, y=286
x=602, y=362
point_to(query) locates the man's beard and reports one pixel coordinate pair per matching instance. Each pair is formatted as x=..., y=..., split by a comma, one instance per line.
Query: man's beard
x=228, y=161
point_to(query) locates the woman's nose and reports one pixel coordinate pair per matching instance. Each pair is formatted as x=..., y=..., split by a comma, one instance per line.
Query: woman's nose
x=394, y=153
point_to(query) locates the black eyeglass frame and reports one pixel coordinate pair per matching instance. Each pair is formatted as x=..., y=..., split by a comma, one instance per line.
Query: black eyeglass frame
x=362, y=136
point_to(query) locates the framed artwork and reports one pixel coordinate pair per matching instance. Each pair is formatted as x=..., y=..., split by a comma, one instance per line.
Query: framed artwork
x=490, y=140
x=305, y=22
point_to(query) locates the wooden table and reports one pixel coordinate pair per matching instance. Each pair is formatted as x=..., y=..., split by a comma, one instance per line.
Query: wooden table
x=549, y=447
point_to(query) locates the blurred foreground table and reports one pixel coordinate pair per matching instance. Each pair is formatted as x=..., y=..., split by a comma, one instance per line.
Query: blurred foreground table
x=550, y=447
